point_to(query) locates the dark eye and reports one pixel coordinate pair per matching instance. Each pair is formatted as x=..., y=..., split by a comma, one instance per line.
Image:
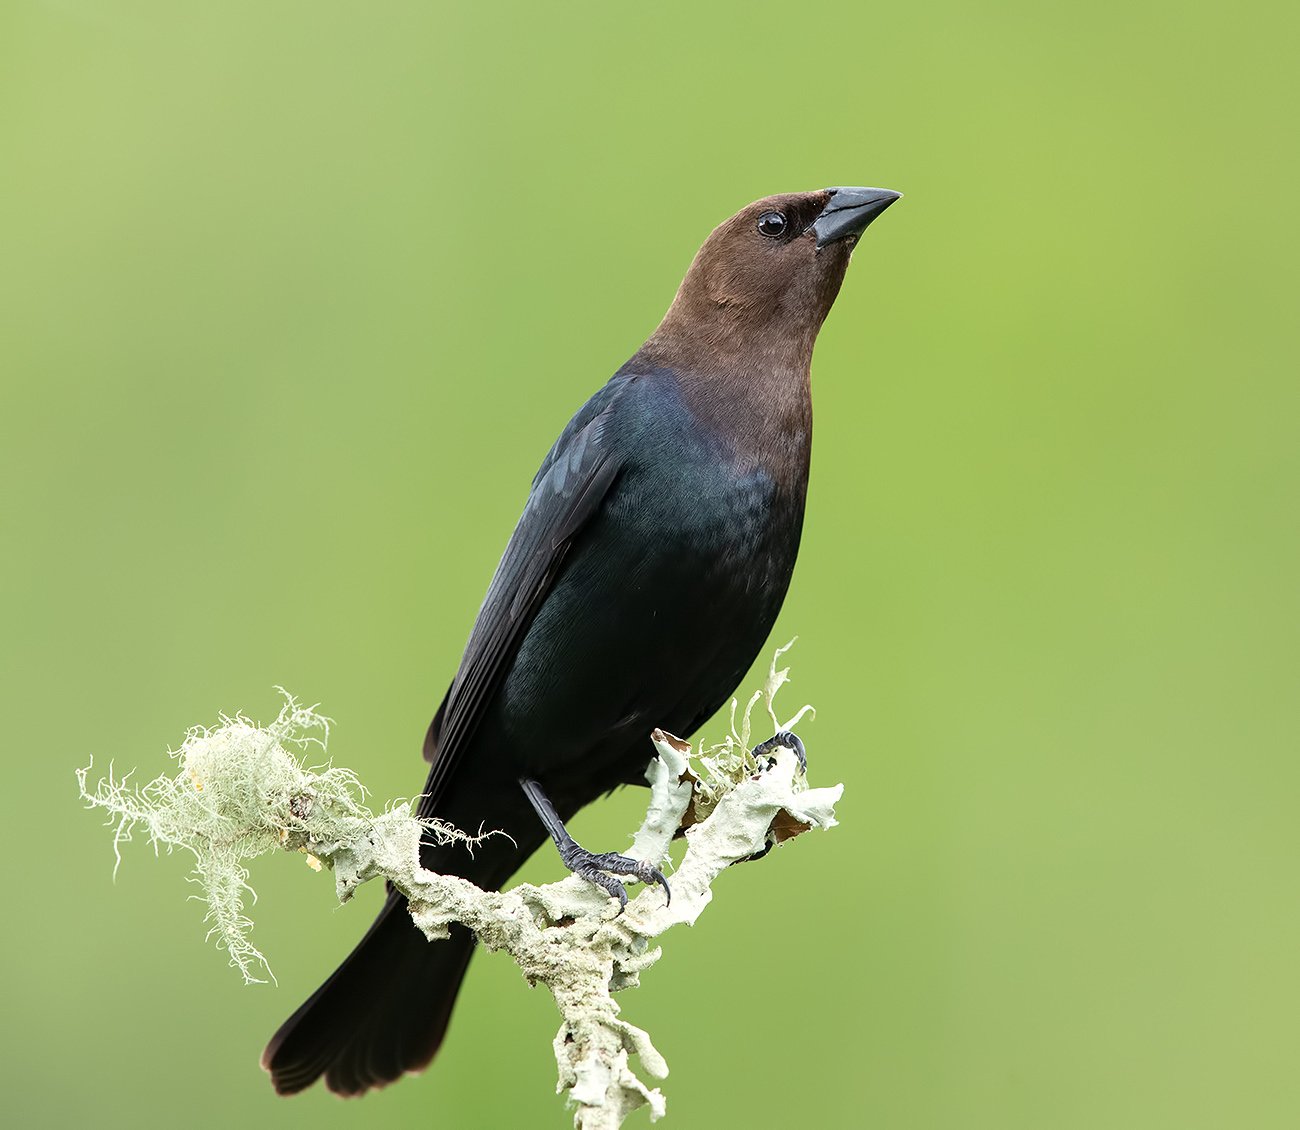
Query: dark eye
x=771, y=224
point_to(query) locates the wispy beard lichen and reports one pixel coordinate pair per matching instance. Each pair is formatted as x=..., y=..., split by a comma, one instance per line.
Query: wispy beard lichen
x=242, y=790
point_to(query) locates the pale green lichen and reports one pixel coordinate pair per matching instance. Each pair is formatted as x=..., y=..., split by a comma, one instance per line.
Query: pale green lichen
x=722, y=765
x=241, y=791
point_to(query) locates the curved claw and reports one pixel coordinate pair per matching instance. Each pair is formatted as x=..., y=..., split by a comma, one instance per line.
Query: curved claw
x=600, y=869
x=789, y=741
x=650, y=875
x=615, y=888
x=606, y=883
x=597, y=869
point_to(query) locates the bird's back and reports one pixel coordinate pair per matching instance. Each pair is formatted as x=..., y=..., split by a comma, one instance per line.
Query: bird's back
x=661, y=605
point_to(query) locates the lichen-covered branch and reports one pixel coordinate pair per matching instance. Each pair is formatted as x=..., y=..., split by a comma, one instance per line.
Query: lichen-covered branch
x=241, y=791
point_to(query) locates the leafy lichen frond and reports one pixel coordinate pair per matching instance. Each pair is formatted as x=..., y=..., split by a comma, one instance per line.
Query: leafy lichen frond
x=724, y=764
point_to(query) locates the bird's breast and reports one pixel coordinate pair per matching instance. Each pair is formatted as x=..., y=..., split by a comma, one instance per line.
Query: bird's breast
x=663, y=599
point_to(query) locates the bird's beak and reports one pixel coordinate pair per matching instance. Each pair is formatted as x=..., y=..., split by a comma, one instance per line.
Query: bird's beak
x=849, y=211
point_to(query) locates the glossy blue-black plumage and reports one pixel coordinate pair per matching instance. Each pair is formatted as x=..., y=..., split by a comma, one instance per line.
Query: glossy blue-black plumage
x=643, y=575
x=650, y=561
x=639, y=583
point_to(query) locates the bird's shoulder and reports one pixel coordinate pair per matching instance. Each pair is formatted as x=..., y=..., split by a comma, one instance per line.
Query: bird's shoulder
x=676, y=474
x=615, y=421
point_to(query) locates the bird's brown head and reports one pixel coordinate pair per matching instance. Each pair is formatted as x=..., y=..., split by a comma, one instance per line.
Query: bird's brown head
x=765, y=279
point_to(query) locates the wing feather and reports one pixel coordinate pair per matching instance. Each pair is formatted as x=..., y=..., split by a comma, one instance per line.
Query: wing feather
x=567, y=493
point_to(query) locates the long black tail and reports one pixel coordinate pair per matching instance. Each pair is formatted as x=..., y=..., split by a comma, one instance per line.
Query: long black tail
x=382, y=1014
x=384, y=1011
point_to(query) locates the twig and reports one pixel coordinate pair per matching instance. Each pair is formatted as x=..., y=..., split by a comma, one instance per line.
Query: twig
x=240, y=792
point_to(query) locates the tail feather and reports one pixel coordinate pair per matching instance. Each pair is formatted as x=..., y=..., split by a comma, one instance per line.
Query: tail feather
x=383, y=1012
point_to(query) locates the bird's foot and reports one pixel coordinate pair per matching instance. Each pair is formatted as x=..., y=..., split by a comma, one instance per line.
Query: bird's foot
x=601, y=869
x=597, y=869
x=766, y=749
x=786, y=739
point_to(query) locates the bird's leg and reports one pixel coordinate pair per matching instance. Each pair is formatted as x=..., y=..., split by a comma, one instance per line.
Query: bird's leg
x=587, y=864
x=784, y=738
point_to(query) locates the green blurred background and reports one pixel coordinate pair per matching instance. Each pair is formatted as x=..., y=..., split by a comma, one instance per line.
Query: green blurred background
x=296, y=295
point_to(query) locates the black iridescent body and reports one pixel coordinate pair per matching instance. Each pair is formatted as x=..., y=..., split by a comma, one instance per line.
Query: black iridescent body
x=642, y=579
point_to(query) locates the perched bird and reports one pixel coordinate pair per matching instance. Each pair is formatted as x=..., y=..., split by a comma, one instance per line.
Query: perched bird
x=642, y=579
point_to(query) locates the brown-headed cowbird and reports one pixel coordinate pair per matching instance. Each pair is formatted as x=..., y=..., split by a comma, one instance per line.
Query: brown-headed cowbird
x=642, y=579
